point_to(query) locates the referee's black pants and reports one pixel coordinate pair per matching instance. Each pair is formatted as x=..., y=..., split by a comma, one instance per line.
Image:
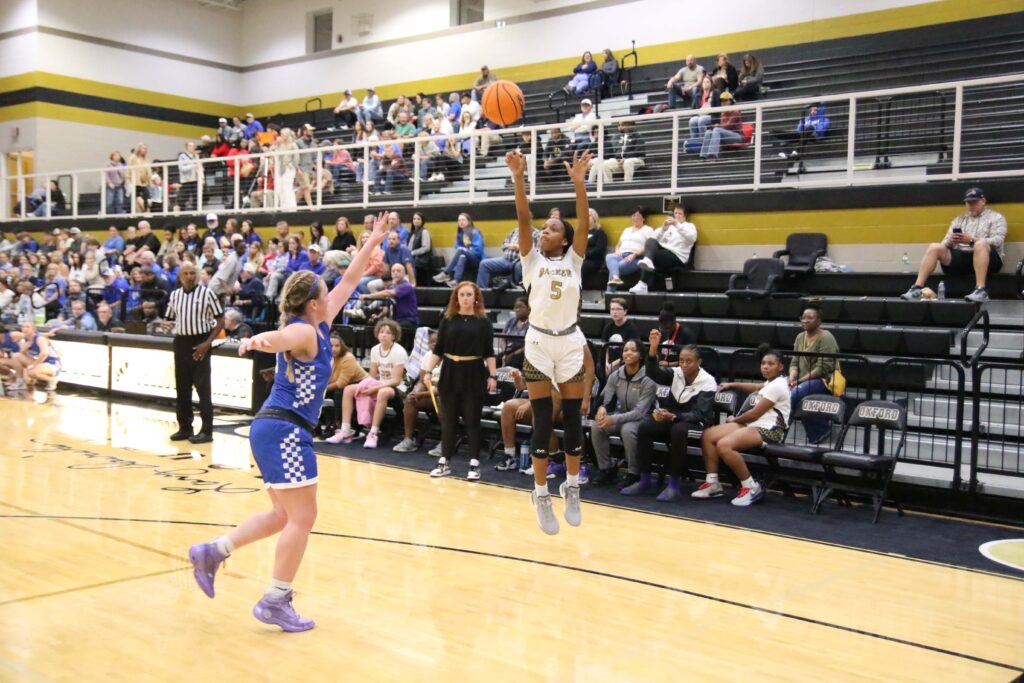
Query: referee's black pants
x=189, y=373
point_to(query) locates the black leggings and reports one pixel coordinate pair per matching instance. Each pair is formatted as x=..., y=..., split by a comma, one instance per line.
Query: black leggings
x=469, y=405
x=675, y=433
x=664, y=260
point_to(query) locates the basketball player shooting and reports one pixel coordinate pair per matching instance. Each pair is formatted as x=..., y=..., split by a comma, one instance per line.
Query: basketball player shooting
x=554, y=343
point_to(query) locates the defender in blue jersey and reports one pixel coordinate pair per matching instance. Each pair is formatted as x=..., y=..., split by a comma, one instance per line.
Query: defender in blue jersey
x=281, y=435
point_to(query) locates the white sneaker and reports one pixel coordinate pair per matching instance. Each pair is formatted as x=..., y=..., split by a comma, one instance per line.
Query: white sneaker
x=545, y=513
x=571, y=494
x=639, y=288
x=441, y=277
x=645, y=264
x=708, y=490
x=435, y=452
x=440, y=177
x=747, y=497
x=406, y=445
x=474, y=470
x=528, y=471
x=442, y=469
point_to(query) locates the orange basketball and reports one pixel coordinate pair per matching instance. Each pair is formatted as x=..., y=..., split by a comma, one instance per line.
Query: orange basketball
x=503, y=103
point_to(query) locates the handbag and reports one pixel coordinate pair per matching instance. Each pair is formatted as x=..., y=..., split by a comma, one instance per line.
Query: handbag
x=837, y=383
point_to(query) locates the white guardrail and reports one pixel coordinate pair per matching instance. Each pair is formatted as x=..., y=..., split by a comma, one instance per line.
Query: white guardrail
x=944, y=131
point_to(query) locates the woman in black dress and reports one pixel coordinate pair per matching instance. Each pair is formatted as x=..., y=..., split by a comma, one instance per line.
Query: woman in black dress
x=465, y=342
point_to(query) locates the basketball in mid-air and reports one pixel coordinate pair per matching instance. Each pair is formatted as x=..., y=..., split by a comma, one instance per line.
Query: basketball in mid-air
x=503, y=103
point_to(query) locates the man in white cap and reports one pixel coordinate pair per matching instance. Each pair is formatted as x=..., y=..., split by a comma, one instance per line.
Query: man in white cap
x=252, y=126
x=345, y=112
x=582, y=126
x=213, y=228
x=370, y=110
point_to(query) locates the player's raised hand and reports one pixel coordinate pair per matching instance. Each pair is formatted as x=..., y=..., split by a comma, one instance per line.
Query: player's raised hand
x=380, y=228
x=516, y=163
x=580, y=163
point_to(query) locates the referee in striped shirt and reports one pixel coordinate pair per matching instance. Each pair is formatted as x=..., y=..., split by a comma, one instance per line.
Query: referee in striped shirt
x=198, y=318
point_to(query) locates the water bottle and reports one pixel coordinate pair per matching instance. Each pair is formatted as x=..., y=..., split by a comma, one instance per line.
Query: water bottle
x=524, y=455
x=942, y=289
x=905, y=260
x=754, y=255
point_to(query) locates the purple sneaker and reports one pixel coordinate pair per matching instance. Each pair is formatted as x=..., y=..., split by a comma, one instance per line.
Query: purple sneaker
x=671, y=492
x=279, y=611
x=206, y=560
x=643, y=485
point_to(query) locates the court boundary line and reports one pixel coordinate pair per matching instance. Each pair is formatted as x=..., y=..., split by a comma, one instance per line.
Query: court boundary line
x=567, y=567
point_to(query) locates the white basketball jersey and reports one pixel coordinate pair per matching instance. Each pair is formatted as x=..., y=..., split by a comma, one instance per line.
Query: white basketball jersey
x=555, y=286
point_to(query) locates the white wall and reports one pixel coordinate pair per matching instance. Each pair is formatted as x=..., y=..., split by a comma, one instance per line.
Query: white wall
x=179, y=26
x=15, y=14
x=18, y=54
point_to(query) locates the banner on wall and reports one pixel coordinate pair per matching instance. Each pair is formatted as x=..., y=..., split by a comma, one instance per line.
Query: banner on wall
x=150, y=372
x=86, y=365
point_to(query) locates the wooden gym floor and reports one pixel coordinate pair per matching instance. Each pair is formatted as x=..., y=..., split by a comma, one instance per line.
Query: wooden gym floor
x=416, y=579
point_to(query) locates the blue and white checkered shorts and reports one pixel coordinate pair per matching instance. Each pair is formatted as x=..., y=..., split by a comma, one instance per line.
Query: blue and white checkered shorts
x=283, y=452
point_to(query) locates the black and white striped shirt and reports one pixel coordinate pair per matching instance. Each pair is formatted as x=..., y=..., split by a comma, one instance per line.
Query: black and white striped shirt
x=194, y=312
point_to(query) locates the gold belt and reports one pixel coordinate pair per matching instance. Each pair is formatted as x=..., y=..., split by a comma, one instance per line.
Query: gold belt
x=460, y=359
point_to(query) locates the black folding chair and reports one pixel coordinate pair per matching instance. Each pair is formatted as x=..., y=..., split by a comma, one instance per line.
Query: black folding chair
x=809, y=472
x=803, y=250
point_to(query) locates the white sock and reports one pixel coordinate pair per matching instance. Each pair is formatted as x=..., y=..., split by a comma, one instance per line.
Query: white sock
x=278, y=589
x=542, y=489
x=346, y=427
x=711, y=478
x=510, y=452
x=374, y=430
x=224, y=545
x=749, y=483
x=572, y=479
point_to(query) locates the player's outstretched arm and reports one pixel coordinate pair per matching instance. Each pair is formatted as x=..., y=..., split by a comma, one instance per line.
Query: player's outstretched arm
x=343, y=290
x=578, y=173
x=516, y=163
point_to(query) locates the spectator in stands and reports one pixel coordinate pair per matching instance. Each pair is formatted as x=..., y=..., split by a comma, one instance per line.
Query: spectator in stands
x=210, y=255
x=427, y=153
x=727, y=130
x=751, y=79
x=630, y=249
x=252, y=127
x=155, y=325
x=469, y=251
x=235, y=325
x=467, y=124
x=973, y=243
x=512, y=354
x=400, y=104
x=115, y=286
x=171, y=266
x=190, y=171
x=506, y=264
x=169, y=244
x=425, y=112
x=420, y=246
x=517, y=410
x=286, y=169
x=156, y=193
x=707, y=98
x=626, y=400
x=226, y=278
x=387, y=369
x=556, y=152
x=609, y=72
x=146, y=239
x=106, y=321
x=667, y=250
x=616, y=331
x=625, y=155
x=248, y=232
x=346, y=113
x=416, y=400
x=597, y=247
x=345, y=371
x=812, y=127
x=582, y=73
x=441, y=106
x=343, y=237
x=811, y=374
x=685, y=85
x=724, y=76
x=77, y=318
x=292, y=258
x=57, y=205
x=454, y=109
x=674, y=335
x=193, y=243
x=404, y=127
x=370, y=111
x=317, y=237
x=55, y=290
x=139, y=172
x=114, y=244
x=473, y=107
x=249, y=292
x=685, y=403
x=396, y=252
x=75, y=293
x=582, y=126
x=114, y=180
x=315, y=261
x=486, y=78
x=340, y=165
x=465, y=342
x=766, y=422
x=403, y=293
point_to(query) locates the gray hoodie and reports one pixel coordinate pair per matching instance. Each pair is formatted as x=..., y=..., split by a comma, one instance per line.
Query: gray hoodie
x=632, y=397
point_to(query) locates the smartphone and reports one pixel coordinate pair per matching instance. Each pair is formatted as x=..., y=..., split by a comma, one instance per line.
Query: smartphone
x=957, y=231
